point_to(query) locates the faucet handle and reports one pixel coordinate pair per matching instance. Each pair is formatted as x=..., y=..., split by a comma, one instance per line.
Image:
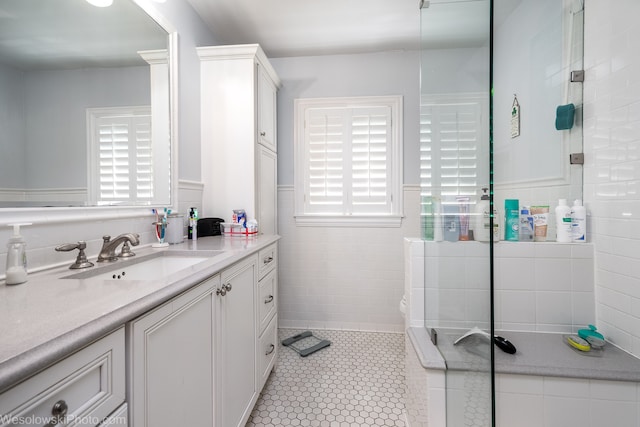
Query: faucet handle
x=126, y=250
x=81, y=260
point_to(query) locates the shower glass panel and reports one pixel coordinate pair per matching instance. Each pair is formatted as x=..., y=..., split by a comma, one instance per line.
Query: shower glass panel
x=536, y=46
x=455, y=167
x=497, y=80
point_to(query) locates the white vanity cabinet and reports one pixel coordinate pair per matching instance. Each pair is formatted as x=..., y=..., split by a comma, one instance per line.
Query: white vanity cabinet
x=83, y=389
x=235, y=344
x=170, y=351
x=239, y=133
x=267, y=309
x=267, y=107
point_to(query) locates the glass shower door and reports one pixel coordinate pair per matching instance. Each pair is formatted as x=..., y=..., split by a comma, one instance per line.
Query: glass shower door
x=455, y=167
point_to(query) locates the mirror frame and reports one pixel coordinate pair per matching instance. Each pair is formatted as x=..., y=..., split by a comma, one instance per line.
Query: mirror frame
x=53, y=215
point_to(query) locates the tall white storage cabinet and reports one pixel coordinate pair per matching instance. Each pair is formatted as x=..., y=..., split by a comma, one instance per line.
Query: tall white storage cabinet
x=239, y=133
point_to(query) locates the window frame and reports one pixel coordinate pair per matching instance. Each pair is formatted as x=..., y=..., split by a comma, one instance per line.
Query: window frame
x=395, y=213
x=94, y=115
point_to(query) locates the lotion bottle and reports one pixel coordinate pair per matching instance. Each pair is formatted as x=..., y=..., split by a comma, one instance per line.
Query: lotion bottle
x=511, y=220
x=16, y=271
x=578, y=222
x=482, y=222
x=563, y=222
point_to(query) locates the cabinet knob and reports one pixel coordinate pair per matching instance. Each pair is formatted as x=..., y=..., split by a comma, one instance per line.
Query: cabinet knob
x=268, y=299
x=224, y=289
x=271, y=348
x=263, y=133
x=58, y=412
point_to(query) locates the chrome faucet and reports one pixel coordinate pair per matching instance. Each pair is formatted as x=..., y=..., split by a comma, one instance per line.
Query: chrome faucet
x=108, y=251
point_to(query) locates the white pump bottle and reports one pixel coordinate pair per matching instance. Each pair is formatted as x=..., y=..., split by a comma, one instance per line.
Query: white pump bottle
x=16, y=271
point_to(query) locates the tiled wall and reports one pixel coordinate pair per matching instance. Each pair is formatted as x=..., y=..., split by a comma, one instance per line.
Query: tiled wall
x=612, y=163
x=342, y=277
x=530, y=401
x=539, y=286
x=54, y=226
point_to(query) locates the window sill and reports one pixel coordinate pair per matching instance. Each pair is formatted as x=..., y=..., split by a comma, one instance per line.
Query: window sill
x=377, y=221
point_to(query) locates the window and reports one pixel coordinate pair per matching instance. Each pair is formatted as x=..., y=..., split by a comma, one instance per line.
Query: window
x=348, y=166
x=452, y=145
x=120, y=155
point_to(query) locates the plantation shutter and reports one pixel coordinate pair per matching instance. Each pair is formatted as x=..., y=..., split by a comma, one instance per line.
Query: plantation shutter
x=124, y=158
x=371, y=159
x=449, y=149
x=348, y=160
x=325, y=130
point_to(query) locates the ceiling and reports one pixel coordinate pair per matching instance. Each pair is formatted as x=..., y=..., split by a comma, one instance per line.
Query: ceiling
x=314, y=27
x=73, y=34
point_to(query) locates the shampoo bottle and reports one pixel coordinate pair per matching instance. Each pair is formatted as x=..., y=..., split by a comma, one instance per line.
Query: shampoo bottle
x=451, y=222
x=511, y=219
x=563, y=222
x=482, y=218
x=16, y=272
x=578, y=222
x=525, y=229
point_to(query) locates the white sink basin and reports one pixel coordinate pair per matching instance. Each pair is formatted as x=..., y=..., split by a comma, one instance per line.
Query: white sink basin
x=151, y=267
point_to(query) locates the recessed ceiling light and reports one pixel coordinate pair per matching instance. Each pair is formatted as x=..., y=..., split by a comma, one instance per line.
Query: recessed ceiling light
x=100, y=3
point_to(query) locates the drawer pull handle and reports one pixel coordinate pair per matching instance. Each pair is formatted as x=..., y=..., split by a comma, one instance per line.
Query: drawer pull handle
x=58, y=412
x=268, y=299
x=271, y=349
x=263, y=133
x=267, y=260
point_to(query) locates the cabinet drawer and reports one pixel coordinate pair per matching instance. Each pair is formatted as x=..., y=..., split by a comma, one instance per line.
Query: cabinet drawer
x=267, y=351
x=267, y=299
x=90, y=384
x=267, y=260
x=118, y=418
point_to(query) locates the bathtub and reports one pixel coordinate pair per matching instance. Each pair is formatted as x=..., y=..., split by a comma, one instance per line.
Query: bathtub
x=545, y=384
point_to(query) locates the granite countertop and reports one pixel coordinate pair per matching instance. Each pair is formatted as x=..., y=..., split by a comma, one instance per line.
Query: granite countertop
x=48, y=318
x=537, y=353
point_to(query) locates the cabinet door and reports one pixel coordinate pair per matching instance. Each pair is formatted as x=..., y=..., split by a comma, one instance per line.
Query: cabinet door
x=236, y=344
x=266, y=111
x=171, y=352
x=267, y=192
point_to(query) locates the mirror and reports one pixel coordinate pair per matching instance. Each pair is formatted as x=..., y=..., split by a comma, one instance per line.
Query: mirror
x=84, y=105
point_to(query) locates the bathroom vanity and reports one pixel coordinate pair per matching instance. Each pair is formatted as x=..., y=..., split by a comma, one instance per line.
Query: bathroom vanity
x=192, y=346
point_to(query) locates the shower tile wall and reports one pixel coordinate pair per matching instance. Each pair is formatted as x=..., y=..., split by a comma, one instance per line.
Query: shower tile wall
x=342, y=277
x=612, y=163
x=539, y=286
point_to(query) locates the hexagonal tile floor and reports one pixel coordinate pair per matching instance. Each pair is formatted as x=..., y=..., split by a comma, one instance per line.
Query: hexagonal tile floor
x=358, y=381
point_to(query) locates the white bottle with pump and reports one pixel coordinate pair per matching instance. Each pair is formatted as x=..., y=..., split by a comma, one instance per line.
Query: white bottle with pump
x=578, y=222
x=563, y=222
x=16, y=271
x=482, y=218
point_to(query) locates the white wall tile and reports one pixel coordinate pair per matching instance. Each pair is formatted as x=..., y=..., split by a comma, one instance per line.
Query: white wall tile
x=611, y=99
x=564, y=411
x=553, y=274
x=566, y=387
x=553, y=308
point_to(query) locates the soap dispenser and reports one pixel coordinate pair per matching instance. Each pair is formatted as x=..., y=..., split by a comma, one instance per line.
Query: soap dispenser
x=16, y=271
